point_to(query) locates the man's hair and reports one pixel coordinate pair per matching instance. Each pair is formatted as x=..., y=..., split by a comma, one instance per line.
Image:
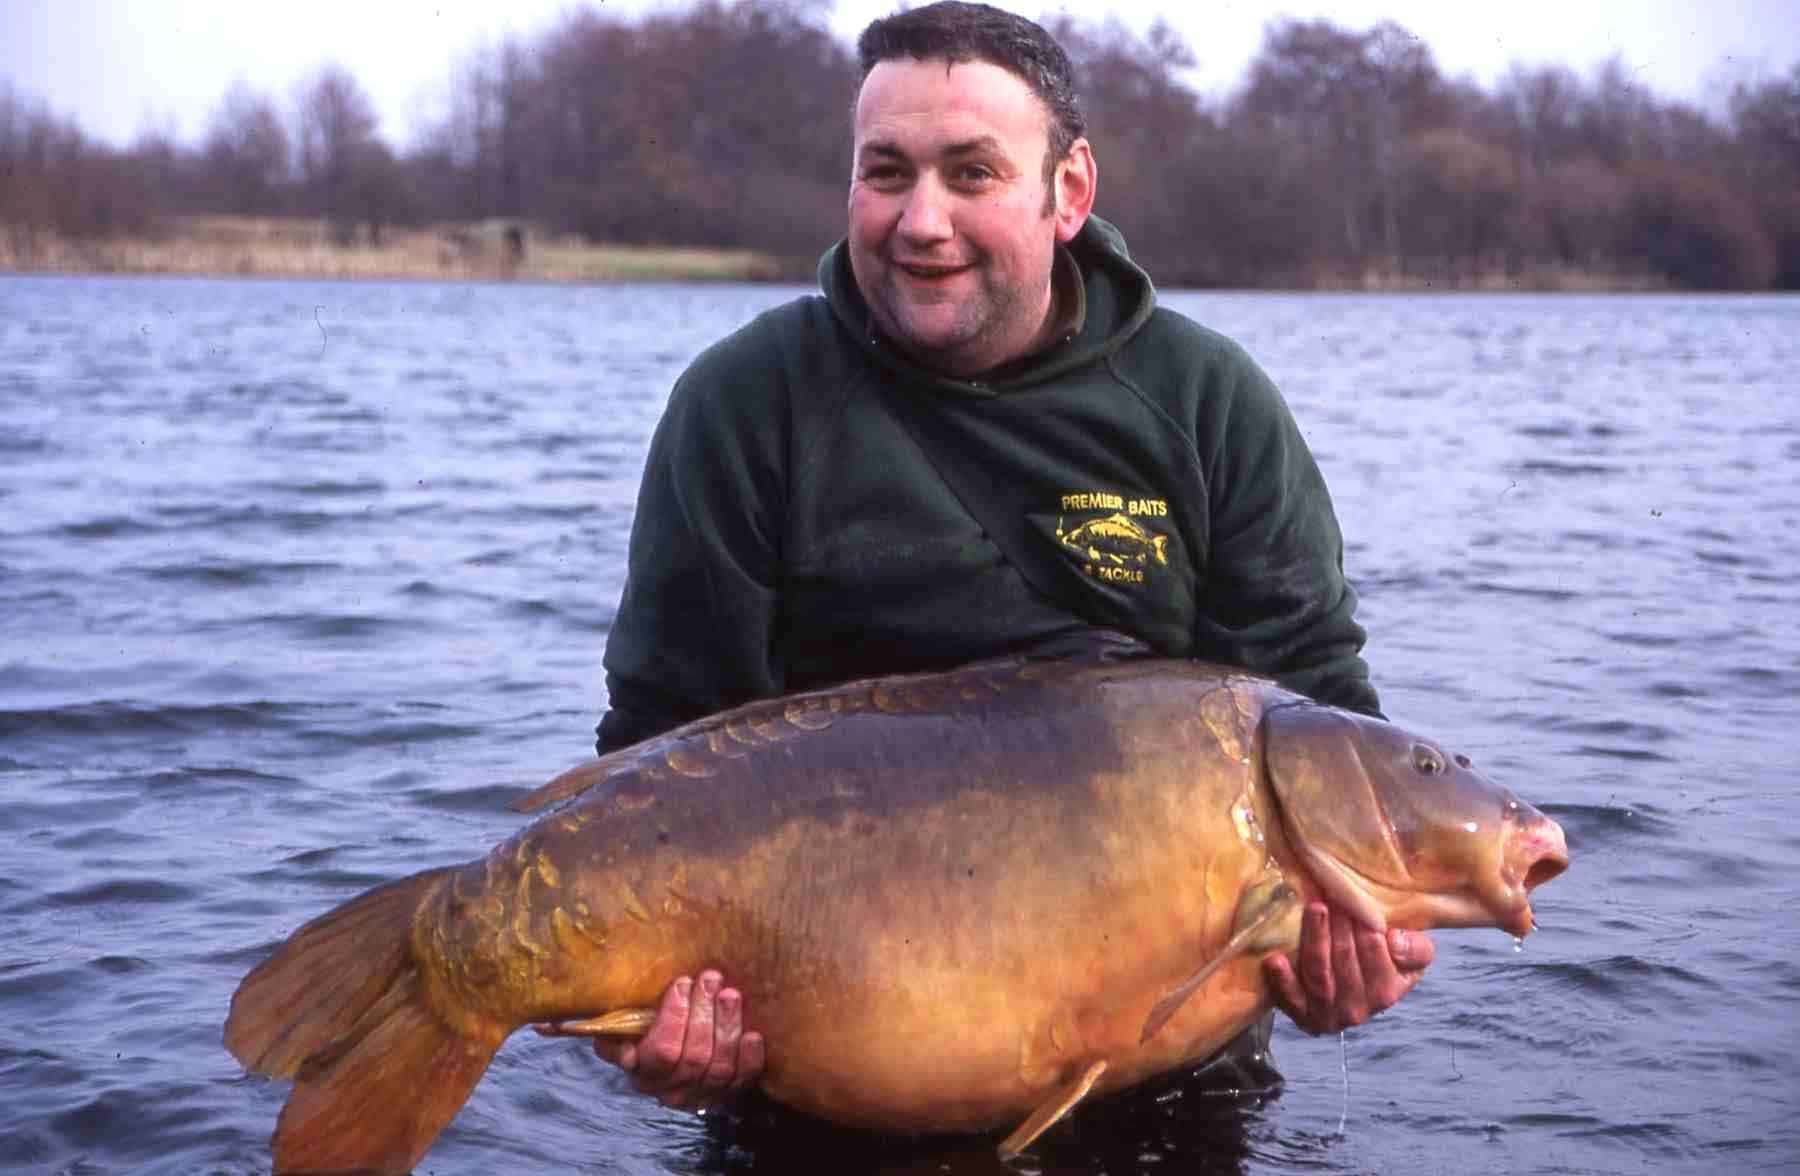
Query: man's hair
x=957, y=32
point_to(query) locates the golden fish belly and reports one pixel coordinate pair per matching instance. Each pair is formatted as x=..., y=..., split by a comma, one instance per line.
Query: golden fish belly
x=937, y=906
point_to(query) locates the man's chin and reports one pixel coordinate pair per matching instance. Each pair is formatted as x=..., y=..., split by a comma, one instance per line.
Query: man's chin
x=938, y=350
x=932, y=328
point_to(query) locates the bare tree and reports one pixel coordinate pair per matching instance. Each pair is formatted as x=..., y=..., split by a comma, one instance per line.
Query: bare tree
x=246, y=153
x=1539, y=109
x=1766, y=137
x=336, y=124
x=1345, y=155
x=1351, y=99
x=1693, y=230
x=1460, y=203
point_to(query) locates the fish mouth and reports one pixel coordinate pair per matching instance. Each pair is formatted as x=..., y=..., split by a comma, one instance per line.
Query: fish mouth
x=1529, y=856
x=1536, y=852
x=1543, y=870
x=1544, y=850
x=1530, y=853
x=1387, y=852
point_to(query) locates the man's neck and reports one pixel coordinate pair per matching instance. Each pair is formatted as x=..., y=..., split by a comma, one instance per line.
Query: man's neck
x=1063, y=318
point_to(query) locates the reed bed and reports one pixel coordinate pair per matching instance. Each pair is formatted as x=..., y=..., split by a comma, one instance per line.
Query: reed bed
x=279, y=247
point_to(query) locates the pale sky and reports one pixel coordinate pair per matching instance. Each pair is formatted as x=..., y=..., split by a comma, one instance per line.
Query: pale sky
x=119, y=67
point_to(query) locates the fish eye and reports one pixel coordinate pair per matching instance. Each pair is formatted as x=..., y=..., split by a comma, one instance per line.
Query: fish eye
x=1426, y=760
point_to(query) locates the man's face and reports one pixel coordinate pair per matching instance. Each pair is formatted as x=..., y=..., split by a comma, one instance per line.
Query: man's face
x=950, y=238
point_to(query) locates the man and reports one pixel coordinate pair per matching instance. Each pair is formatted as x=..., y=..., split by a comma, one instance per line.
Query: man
x=984, y=438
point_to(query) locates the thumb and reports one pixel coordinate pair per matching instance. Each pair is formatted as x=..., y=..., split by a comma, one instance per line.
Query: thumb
x=1411, y=950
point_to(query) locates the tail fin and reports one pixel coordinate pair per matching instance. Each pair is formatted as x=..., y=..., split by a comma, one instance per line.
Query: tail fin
x=339, y=1008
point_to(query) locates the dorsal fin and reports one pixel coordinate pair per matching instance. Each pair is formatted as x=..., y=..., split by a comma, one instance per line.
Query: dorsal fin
x=769, y=721
x=573, y=782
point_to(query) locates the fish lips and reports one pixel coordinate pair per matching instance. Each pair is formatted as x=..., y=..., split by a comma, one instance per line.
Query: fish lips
x=1397, y=832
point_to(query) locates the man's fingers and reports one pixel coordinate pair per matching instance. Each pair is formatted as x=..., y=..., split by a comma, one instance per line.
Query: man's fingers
x=751, y=1057
x=1413, y=951
x=1346, y=972
x=1316, y=959
x=696, y=1051
x=1284, y=986
x=728, y=1027
x=1383, y=983
x=1351, y=1001
x=697, y=1047
x=659, y=1050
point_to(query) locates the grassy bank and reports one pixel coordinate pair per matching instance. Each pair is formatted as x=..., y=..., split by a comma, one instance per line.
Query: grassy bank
x=498, y=250
x=1535, y=278
x=281, y=247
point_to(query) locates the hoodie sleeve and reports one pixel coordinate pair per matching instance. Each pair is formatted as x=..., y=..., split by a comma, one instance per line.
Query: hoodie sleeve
x=695, y=629
x=1275, y=598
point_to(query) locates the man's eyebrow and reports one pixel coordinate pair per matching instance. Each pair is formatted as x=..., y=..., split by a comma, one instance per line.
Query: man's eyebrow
x=977, y=146
x=981, y=145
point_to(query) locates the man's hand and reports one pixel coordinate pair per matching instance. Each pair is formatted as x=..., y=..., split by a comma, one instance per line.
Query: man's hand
x=1347, y=973
x=697, y=1053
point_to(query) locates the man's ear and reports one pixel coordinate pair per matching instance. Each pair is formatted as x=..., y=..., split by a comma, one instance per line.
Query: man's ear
x=1076, y=180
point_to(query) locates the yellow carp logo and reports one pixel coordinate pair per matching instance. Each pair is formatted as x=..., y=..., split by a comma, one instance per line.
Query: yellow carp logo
x=1117, y=548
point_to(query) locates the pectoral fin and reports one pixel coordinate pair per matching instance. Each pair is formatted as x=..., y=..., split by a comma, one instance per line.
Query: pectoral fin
x=1267, y=919
x=618, y=1023
x=1061, y=1101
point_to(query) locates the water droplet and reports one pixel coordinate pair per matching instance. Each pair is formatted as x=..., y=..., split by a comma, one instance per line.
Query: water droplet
x=1344, y=1061
x=1518, y=943
x=1471, y=826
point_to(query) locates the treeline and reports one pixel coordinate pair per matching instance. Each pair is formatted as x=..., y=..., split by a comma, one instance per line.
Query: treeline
x=1344, y=157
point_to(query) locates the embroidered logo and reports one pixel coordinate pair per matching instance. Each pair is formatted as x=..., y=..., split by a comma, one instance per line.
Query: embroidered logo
x=1115, y=548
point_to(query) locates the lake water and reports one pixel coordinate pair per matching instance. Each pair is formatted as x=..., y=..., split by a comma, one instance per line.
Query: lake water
x=300, y=583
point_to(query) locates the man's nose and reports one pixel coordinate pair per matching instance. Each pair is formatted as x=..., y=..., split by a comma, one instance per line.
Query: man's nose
x=926, y=216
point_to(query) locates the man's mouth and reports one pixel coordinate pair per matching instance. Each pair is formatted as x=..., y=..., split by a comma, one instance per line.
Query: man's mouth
x=929, y=271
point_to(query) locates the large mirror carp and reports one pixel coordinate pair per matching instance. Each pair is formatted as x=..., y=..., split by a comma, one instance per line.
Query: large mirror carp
x=953, y=902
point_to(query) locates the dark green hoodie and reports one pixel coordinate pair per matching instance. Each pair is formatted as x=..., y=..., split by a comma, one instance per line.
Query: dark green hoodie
x=816, y=507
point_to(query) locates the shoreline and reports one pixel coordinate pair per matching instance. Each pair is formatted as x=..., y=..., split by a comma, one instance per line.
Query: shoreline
x=501, y=250
x=305, y=248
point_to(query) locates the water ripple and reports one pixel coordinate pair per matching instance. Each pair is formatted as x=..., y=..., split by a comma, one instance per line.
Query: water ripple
x=120, y=718
x=284, y=621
